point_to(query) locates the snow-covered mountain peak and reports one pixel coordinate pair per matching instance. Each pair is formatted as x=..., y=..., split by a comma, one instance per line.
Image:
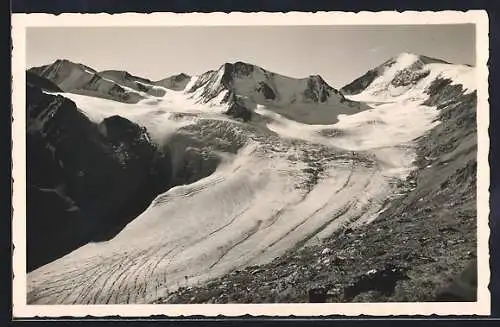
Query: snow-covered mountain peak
x=408, y=59
x=260, y=85
x=241, y=87
x=407, y=74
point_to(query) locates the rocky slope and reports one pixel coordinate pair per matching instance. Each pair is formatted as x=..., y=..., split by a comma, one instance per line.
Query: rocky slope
x=85, y=181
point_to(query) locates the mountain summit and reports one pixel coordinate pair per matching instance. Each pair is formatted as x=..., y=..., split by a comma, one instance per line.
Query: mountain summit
x=404, y=72
x=243, y=86
x=262, y=86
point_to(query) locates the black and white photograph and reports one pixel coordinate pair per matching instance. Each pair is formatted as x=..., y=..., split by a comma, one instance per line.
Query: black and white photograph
x=321, y=163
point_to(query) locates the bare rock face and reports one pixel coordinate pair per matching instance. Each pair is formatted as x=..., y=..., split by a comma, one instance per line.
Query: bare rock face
x=408, y=77
x=238, y=110
x=41, y=82
x=266, y=91
x=85, y=181
x=318, y=90
x=383, y=280
x=360, y=83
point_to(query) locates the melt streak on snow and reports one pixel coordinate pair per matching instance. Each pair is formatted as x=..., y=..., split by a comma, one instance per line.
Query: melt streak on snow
x=292, y=184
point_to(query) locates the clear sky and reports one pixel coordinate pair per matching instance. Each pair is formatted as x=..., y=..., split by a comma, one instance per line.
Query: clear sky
x=338, y=53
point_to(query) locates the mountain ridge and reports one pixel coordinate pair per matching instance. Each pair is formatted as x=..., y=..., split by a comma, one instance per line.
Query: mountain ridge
x=239, y=87
x=421, y=57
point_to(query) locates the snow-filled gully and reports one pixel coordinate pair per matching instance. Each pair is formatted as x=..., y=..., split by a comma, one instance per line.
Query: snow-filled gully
x=273, y=195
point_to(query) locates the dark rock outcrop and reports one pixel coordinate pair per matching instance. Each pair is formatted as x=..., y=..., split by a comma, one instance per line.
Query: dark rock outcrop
x=237, y=110
x=381, y=280
x=237, y=107
x=85, y=182
x=318, y=90
x=195, y=149
x=408, y=77
x=266, y=91
x=237, y=70
x=42, y=83
x=318, y=295
x=360, y=83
